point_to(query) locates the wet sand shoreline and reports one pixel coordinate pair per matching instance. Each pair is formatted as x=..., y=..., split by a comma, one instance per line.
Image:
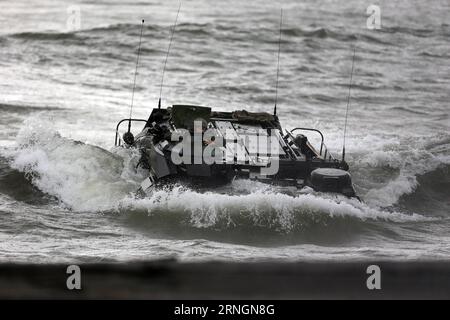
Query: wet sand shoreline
x=169, y=279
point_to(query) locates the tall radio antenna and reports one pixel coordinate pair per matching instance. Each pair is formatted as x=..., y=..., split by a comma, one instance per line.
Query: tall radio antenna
x=167, y=56
x=348, y=103
x=278, y=63
x=135, y=74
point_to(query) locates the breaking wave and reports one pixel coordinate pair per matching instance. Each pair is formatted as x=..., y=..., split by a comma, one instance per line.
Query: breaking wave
x=397, y=167
x=265, y=209
x=88, y=178
x=83, y=177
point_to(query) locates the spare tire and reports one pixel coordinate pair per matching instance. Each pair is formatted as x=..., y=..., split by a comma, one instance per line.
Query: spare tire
x=332, y=180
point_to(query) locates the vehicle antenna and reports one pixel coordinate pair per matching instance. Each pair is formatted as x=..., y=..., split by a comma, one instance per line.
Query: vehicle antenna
x=167, y=56
x=135, y=74
x=348, y=103
x=278, y=64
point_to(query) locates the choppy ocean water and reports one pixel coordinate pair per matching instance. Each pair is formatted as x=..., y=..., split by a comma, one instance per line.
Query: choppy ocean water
x=66, y=194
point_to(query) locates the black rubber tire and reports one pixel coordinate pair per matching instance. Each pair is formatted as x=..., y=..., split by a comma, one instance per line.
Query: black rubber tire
x=331, y=180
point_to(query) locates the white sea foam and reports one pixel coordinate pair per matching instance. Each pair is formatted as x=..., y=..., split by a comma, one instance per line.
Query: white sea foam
x=410, y=158
x=81, y=176
x=261, y=207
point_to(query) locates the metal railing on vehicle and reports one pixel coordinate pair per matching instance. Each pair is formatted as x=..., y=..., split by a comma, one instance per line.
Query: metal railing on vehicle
x=323, y=148
x=118, y=139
